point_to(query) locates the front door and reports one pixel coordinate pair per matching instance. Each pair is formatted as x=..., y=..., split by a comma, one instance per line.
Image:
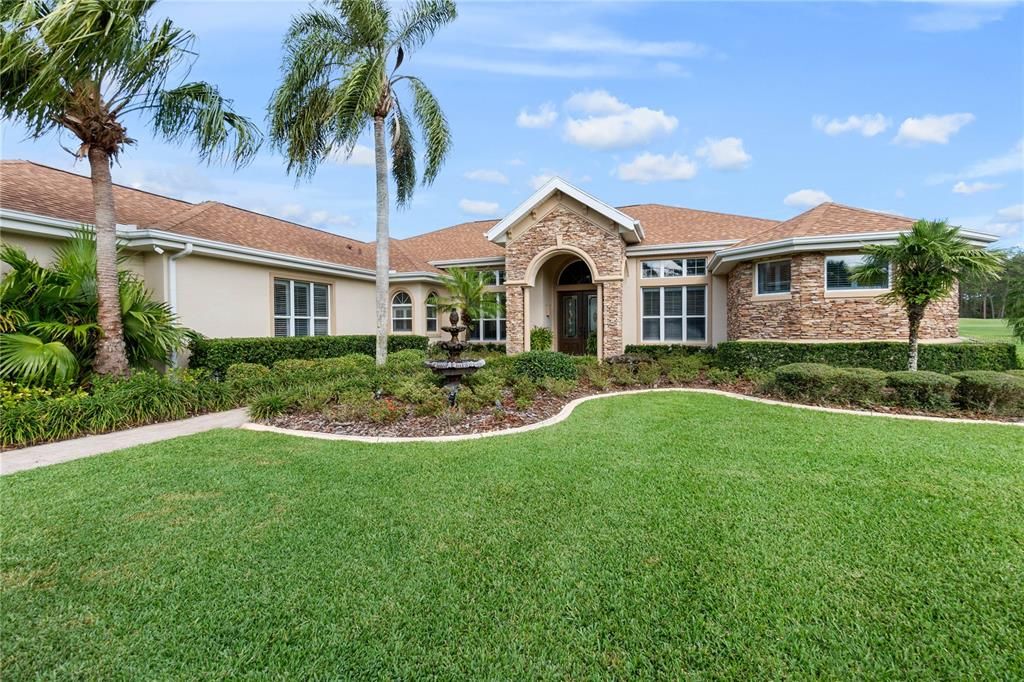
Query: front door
x=577, y=319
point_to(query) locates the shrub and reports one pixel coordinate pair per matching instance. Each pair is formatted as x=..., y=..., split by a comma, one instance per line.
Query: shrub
x=887, y=356
x=658, y=351
x=805, y=381
x=682, y=367
x=718, y=376
x=995, y=392
x=761, y=378
x=1016, y=372
x=537, y=364
x=558, y=387
x=647, y=373
x=598, y=376
x=858, y=385
x=922, y=389
x=406, y=362
x=524, y=389
x=540, y=338
x=217, y=355
x=247, y=379
x=385, y=411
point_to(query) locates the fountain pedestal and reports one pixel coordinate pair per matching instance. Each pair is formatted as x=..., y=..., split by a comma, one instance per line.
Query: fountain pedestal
x=454, y=368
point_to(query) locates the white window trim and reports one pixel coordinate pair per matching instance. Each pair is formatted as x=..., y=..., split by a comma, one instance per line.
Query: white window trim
x=853, y=292
x=291, y=316
x=774, y=296
x=412, y=314
x=684, y=266
x=661, y=317
x=500, y=317
x=426, y=313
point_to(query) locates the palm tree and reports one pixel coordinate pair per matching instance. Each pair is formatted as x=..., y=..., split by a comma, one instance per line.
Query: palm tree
x=83, y=66
x=467, y=294
x=340, y=76
x=924, y=265
x=1015, y=307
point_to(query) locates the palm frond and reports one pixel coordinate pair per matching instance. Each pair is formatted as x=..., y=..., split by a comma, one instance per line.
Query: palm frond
x=198, y=113
x=403, y=157
x=420, y=21
x=30, y=361
x=437, y=137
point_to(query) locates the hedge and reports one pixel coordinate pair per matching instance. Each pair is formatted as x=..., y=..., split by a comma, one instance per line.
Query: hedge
x=217, y=355
x=887, y=356
x=539, y=364
x=661, y=350
x=994, y=392
x=922, y=389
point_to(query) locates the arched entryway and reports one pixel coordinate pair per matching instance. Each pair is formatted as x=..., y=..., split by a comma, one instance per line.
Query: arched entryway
x=565, y=298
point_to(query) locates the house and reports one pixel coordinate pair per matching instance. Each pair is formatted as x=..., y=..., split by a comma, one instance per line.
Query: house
x=563, y=259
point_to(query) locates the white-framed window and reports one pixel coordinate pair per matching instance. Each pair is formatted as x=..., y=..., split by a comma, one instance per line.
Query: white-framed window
x=491, y=327
x=431, y=312
x=838, y=270
x=674, y=313
x=401, y=312
x=773, y=277
x=675, y=267
x=301, y=308
x=493, y=277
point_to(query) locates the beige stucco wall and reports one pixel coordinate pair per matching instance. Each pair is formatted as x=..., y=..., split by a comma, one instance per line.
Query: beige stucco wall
x=41, y=250
x=632, y=308
x=419, y=292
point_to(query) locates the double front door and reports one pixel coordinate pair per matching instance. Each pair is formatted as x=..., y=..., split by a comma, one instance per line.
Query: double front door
x=577, y=320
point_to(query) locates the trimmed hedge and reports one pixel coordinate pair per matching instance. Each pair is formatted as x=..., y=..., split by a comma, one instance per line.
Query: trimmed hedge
x=995, y=392
x=817, y=382
x=658, y=351
x=217, y=355
x=538, y=364
x=888, y=356
x=922, y=389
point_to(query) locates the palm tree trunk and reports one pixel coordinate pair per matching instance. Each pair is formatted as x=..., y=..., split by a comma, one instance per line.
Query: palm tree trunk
x=914, y=315
x=110, y=352
x=383, y=243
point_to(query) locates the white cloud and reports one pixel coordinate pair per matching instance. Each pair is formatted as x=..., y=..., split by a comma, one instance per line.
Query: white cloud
x=974, y=187
x=867, y=125
x=1013, y=213
x=478, y=207
x=649, y=167
x=487, y=175
x=806, y=198
x=596, y=102
x=601, y=42
x=361, y=156
x=937, y=129
x=522, y=68
x=671, y=69
x=998, y=165
x=620, y=126
x=726, y=153
x=544, y=117
x=958, y=17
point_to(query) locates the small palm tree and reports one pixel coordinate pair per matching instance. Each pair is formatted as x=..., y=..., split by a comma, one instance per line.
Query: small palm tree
x=340, y=77
x=925, y=265
x=468, y=295
x=82, y=66
x=1015, y=307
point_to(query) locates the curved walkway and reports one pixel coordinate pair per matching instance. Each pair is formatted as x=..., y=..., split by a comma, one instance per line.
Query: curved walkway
x=567, y=410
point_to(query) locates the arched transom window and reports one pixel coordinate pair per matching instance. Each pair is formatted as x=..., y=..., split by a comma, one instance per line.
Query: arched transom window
x=401, y=312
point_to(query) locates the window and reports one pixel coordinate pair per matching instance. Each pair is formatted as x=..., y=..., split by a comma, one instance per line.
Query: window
x=494, y=277
x=773, y=277
x=431, y=312
x=491, y=327
x=838, y=270
x=301, y=308
x=677, y=267
x=674, y=313
x=576, y=272
x=401, y=312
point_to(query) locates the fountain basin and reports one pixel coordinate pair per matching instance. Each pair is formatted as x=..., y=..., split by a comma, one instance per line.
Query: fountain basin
x=454, y=370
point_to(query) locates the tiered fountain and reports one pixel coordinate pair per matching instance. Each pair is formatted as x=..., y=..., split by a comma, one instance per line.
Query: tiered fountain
x=454, y=368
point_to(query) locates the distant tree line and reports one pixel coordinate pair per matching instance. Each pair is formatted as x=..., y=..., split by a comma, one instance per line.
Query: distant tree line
x=989, y=298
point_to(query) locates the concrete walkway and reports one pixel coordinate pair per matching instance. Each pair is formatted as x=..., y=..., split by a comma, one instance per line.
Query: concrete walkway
x=67, y=450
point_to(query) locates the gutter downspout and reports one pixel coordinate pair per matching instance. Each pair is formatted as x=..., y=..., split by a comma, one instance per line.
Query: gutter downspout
x=172, y=286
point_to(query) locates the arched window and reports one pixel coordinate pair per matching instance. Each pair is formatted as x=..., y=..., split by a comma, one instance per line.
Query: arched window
x=401, y=312
x=432, y=312
x=576, y=272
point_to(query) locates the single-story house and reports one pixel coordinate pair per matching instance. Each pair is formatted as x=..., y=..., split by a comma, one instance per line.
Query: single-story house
x=563, y=259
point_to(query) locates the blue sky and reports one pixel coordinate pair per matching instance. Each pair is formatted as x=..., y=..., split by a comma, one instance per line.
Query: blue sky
x=761, y=109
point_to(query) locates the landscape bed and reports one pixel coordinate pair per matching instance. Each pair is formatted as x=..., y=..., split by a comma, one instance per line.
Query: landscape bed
x=657, y=535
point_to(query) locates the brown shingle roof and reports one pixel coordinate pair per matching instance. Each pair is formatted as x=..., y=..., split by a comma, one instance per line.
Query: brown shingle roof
x=465, y=240
x=674, y=225
x=830, y=219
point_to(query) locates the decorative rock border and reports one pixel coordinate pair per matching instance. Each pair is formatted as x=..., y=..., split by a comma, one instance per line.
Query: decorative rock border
x=567, y=410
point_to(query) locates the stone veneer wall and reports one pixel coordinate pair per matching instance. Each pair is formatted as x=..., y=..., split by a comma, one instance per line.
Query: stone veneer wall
x=564, y=227
x=809, y=315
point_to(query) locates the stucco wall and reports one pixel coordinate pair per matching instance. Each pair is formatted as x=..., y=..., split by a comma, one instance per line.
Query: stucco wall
x=41, y=250
x=809, y=313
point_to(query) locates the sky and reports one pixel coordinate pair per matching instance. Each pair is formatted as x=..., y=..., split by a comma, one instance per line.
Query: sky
x=761, y=109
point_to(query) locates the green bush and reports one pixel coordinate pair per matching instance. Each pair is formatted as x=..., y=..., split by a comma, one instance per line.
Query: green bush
x=994, y=392
x=537, y=364
x=146, y=397
x=682, y=367
x=805, y=381
x=598, y=376
x=407, y=362
x=922, y=390
x=558, y=387
x=540, y=338
x=1016, y=372
x=658, y=351
x=859, y=385
x=944, y=358
x=248, y=380
x=719, y=376
x=524, y=390
x=217, y=355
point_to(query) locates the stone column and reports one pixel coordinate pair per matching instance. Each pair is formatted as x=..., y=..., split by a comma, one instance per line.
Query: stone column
x=515, y=316
x=611, y=343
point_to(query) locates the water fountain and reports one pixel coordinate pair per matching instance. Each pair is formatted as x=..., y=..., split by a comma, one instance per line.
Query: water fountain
x=454, y=368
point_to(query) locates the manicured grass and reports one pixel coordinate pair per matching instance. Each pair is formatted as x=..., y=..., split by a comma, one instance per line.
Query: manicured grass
x=989, y=330
x=661, y=535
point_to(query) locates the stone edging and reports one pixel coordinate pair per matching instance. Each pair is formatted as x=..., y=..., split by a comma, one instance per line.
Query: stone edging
x=564, y=413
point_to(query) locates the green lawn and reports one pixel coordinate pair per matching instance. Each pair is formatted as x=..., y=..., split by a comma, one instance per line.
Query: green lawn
x=662, y=535
x=989, y=330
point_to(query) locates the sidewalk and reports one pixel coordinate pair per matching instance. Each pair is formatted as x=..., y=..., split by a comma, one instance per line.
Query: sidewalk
x=53, y=453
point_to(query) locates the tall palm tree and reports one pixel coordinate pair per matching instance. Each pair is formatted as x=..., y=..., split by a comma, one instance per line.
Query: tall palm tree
x=83, y=66
x=924, y=266
x=340, y=76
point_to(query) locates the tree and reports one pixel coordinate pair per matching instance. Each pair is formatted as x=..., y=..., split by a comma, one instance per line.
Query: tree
x=340, y=77
x=48, y=329
x=1015, y=307
x=924, y=266
x=467, y=294
x=83, y=66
